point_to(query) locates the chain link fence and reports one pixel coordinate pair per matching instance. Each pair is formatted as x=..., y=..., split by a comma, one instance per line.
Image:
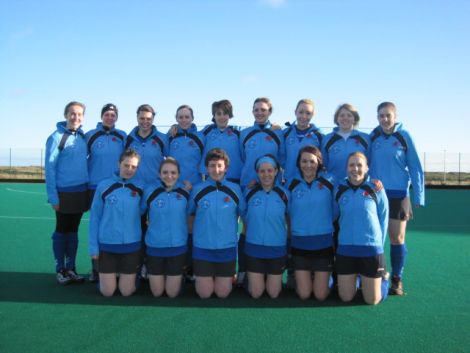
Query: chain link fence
x=442, y=168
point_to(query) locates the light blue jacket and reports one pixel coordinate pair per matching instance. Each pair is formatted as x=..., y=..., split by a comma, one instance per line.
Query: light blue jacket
x=311, y=212
x=266, y=216
x=294, y=142
x=66, y=162
x=187, y=148
x=395, y=161
x=152, y=151
x=115, y=213
x=363, y=219
x=105, y=146
x=216, y=207
x=228, y=140
x=167, y=215
x=257, y=141
x=335, y=150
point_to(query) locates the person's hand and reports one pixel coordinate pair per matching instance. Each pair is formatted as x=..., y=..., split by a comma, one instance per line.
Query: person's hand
x=187, y=185
x=251, y=184
x=378, y=186
x=55, y=207
x=275, y=126
x=173, y=130
x=94, y=257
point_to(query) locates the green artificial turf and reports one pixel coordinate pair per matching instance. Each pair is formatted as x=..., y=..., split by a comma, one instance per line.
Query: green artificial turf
x=37, y=315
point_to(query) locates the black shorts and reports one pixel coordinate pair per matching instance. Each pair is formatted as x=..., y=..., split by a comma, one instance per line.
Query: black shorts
x=128, y=263
x=275, y=266
x=73, y=202
x=400, y=208
x=204, y=268
x=313, y=260
x=368, y=266
x=166, y=266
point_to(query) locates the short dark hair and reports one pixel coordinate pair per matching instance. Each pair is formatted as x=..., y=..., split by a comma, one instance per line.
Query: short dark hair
x=217, y=154
x=187, y=107
x=71, y=104
x=146, y=108
x=387, y=105
x=264, y=100
x=225, y=105
x=350, y=108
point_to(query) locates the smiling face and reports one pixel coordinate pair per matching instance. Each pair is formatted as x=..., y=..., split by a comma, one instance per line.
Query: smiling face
x=145, y=122
x=221, y=119
x=304, y=113
x=74, y=117
x=169, y=174
x=387, y=117
x=128, y=166
x=109, y=119
x=261, y=112
x=345, y=120
x=308, y=165
x=357, y=169
x=184, y=118
x=267, y=175
x=216, y=169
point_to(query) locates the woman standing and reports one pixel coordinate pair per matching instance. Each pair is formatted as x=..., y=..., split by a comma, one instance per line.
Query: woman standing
x=220, y=134
x=166, y=239
x=363, y=217
x=395, y=161
x=187, y=145
x=311, y=215
x=67, y=184
x=343, y=140
x=115, y=233
x=266, y=233
x=105, y=146
x=149, y=143
x=300, y=134
x=215, y=206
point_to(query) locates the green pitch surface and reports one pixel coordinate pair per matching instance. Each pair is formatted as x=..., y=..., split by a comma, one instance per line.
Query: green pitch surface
x=37, y=315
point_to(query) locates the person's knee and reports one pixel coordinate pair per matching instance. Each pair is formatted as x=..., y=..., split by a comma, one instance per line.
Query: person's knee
x=173, y=292
x=273, y=292
x=346, y=296
x=372, y=300
x=156, y=292
x=127, y=292
x=204, y=293
x=303, y=294
x=107, y=292
x=321, y=295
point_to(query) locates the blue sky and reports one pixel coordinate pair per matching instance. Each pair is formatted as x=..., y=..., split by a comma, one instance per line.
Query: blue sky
x=168, y=53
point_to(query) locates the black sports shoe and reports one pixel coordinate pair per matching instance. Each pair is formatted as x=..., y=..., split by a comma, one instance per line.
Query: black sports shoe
x=397, y=286
x=63, y=278
x=75, y=277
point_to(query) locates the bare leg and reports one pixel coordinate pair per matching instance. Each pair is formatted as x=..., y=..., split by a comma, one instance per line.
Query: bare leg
x=223, y=286
x=303, y=284
x=127, y=284
x=274, y=285
x=321, y=290
x=347, y=287
x=256, y=285
x=157, y=284
x=107, y=284
x=204, y=286
x=371, y=290
x=173, y=285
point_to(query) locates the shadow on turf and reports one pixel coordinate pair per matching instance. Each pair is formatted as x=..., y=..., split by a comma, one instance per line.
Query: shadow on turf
x=42, y=288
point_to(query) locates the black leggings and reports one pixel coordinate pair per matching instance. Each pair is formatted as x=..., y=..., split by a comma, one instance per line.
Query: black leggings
x=67, y=222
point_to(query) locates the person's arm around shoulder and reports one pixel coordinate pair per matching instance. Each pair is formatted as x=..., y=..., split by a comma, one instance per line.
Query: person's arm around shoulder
x=96, y=213
x=415, y=170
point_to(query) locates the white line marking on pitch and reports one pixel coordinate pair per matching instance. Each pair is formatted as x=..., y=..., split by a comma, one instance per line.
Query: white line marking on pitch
x=26, y=192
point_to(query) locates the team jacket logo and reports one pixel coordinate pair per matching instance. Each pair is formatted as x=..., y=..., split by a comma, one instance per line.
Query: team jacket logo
x=251, y=144
x=268, y=138
x=227, y=199
x=299, y=194
x=112, y=199
x=99, y=144
x=290, y=141
x=205, y=203
x=134, y=193
x=160, y=203
x=344, y=200
x=179, y=196
x=256, y=201
x=114, y=139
